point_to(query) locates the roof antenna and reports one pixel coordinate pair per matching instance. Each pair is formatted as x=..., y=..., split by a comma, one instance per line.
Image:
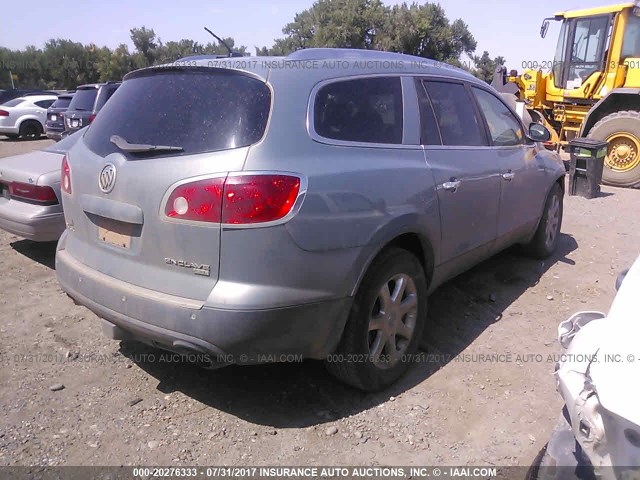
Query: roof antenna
x=221, y=41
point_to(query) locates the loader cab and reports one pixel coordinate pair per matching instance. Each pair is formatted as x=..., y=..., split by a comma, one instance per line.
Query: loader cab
x=593, y=42
x=583, y=45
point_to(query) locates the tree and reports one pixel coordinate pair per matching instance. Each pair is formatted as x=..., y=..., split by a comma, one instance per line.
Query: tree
x=425, y=31
x=334, y=23
x=485, y=66
x=422, y=30
x=146, y=43
x=65, y=64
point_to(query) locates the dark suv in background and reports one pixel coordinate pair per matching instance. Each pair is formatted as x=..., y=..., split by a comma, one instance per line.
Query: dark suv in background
x=86, y=103
x=54, y=127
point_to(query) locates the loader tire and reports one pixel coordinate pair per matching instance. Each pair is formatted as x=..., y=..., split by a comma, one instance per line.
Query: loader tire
x=622, y=131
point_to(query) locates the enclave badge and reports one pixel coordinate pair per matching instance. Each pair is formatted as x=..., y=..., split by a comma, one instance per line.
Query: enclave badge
x=197, y=268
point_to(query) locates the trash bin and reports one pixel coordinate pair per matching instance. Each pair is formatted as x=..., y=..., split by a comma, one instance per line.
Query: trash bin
x=585, y=168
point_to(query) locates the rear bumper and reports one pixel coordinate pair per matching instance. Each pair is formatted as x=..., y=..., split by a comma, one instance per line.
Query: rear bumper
x=54, y=133
x=33, y=222
x=185, y=325
x=12, y=130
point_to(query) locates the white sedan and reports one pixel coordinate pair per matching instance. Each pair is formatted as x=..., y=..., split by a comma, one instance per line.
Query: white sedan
x=25, y=116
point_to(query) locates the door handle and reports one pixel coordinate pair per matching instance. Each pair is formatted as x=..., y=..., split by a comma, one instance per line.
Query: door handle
x=508, y=176
x=452, y=185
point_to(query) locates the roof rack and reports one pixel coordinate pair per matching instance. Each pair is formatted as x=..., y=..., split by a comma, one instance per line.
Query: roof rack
x=349, y=54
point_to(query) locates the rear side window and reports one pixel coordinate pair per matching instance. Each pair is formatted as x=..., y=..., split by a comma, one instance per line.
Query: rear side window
x=504, y=127
x=61, y=102
x=45, y=103
x=14, y=103
x=197, y=109
x=361, y=110
x=84, y=99
x=105, y=94
x=455, y=114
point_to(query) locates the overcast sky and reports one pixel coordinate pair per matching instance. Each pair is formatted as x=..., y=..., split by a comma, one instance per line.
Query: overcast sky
x=503, y=27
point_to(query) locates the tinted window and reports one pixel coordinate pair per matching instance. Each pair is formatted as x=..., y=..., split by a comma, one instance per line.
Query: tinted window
x=631, y=42
x=429, y=132
x=45, y=103
x=455, y=114
x=84, y=99
x=196, y=109
x=105, y=94
x=61, y=102
x=13, y=103
x=362, y=110
x=504, y=128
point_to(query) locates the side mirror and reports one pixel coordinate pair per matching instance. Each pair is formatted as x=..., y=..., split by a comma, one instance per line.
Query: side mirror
x=544, y=28
x=539, y=133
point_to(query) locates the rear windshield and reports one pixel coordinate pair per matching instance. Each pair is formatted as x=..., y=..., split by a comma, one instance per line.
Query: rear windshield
x=197, y=109
x=14, y=102
x=61, y=103
x=84, y=99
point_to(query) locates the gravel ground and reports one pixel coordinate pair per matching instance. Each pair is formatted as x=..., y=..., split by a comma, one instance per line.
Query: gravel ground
x=124, y=403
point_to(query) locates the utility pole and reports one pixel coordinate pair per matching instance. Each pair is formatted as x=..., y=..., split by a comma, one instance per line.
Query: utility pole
x=11, y=77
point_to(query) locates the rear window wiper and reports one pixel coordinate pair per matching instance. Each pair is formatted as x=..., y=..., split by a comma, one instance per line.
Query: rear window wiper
x=122, y=144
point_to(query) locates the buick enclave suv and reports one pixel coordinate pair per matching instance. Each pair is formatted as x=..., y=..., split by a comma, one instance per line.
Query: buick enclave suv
x=250, y=209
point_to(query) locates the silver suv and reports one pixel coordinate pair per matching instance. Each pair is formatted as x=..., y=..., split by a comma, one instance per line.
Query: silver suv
x=250, y=209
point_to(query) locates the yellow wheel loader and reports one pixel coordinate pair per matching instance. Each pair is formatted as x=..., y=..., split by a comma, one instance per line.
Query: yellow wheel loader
x=591, y=88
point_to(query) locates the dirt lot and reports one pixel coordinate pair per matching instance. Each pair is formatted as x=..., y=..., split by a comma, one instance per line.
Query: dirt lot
x=119, y=407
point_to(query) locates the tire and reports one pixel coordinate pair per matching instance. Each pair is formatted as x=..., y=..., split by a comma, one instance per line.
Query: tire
x=545, y=240
x=624, y=122
x=364, y=358
x=30, y=130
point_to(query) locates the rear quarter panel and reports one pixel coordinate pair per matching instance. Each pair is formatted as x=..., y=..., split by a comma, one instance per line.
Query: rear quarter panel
x=358, y=198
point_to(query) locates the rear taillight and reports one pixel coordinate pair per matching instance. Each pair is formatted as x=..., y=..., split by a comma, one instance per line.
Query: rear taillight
x=92, y=117
x=236, y=199
x=35, y=193
x=4, y=113
x=258, y=198
x=198, y=201
x=65, y=180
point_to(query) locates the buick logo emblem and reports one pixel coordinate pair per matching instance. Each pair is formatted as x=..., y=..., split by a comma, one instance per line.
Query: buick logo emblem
x=107, y=178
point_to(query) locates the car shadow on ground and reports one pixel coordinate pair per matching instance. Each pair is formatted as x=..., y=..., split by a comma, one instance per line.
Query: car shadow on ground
x=295, y=395
x=42, y=252
x=14, y=140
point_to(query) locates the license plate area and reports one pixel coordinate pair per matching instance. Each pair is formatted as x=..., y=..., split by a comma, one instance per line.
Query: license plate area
x=115, y=233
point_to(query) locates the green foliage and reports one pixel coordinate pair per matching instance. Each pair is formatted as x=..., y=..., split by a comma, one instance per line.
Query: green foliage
x=415, y=29
x=64, y=64
x=485, y=66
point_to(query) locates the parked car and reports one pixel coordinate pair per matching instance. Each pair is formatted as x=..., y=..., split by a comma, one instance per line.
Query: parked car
x=10, y=94
x=598, y=434
x=25, y=116
x=206, y=229
x=86, y=103
x=30, y=192
x=54, y=127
